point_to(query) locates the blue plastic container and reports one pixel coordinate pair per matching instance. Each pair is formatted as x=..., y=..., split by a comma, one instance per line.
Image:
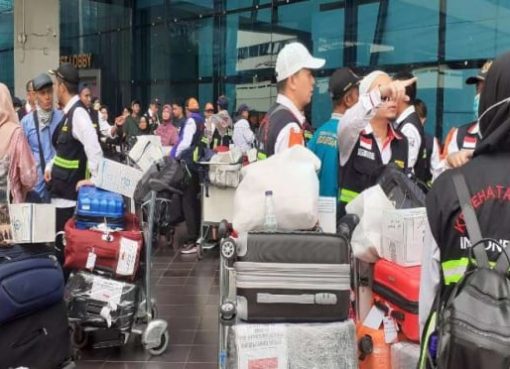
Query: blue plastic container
x=95, y=206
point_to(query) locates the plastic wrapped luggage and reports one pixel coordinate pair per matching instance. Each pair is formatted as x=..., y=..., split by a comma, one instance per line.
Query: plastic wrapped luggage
x=37, y=341
x=404, y=355
x=96, y=206
x=101, y=302
x=396, y=291
x=31, y=279
x=295, y=277
x=297, y=346
x=117, y=252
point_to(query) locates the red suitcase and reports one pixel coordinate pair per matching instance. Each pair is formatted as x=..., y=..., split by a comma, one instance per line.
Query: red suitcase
x=396, y=291
x=122, y=259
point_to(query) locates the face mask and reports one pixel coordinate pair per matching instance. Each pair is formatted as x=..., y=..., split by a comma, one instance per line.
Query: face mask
x=476, y=103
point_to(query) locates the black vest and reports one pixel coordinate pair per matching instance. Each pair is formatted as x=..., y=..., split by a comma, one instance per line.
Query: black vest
x=488, y=180
x=421, y=168
x=466, y=140
x=94, y=117
x=70, y=162
x=365, y=165
x=275, y=120
x=429, y=149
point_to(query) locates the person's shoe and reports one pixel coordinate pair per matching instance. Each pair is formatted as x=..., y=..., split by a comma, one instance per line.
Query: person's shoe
x=189, y=249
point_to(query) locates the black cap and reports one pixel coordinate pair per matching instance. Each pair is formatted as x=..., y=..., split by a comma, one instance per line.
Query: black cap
x=66, y=72
x=341, y=81
x=155, y=102
x=481, y=74
x=41, y=81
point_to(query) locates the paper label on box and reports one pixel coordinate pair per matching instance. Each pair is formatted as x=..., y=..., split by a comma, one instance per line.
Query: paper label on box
x=21, y=222
x=374, y=318
x=261, y=346
x=106, y=290
x=390, y=330
x=91, y=261
x=127, y=257
x=118, y=178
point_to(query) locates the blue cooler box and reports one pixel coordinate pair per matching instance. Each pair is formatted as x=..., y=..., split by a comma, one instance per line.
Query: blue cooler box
x=96, y=206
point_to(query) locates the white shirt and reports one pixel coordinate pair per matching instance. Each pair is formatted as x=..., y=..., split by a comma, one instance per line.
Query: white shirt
x=412, y=134
x=243, y=136
x=190, y=128
x=282, y=141
x=355, y=120
x=106, y=129
x=83, y=131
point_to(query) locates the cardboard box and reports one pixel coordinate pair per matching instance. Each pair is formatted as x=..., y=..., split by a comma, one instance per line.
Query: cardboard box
x=33, y=223
x=146, y=151
x=118, y=178
x=403, y=234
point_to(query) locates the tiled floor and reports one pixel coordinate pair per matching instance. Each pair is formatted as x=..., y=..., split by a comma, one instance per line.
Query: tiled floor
x=187, y=297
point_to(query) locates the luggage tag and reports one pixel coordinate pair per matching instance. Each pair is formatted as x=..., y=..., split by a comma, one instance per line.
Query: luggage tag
x=91, y=260
x=374, y=318
x=390, y=327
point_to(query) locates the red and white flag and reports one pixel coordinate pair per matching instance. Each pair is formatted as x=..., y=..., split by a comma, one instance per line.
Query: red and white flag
x=469, y=142
x=366, y=143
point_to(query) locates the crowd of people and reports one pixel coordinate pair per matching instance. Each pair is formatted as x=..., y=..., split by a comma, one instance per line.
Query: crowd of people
x=49, y=152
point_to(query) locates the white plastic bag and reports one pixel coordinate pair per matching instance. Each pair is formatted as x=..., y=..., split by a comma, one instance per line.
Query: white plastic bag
x=225, y=170
x=366, y=240
x=292, y=176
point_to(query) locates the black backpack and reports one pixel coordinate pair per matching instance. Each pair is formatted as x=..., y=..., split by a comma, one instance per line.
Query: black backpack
x=401, y=190
x=474, y=321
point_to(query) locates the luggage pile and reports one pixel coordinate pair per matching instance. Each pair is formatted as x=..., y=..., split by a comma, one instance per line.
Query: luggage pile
x=285, y=292
x=387, y=279
x=33, y=317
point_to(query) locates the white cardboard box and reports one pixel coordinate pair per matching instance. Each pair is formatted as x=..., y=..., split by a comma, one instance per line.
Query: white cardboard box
x=33, y=223
x=146, y=151
x=118, y=178
x=403, y=234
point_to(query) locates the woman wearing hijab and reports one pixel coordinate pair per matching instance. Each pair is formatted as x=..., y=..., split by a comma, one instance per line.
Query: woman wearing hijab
x=166, y=130
x=487, y=175
x=17, y=164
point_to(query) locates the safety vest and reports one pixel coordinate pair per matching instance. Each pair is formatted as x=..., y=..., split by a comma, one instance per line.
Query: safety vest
x=365, y=165
x=421, y=168
x=192, y=154
x=489, y=185
x=274, y=121
x=70, y=162
x=429, y=149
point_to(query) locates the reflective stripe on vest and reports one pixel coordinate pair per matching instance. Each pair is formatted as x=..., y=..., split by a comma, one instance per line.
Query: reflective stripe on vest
x=454, y=270
x=261, y=155
x=429, y=329
x=66, y=164
x=346, y=196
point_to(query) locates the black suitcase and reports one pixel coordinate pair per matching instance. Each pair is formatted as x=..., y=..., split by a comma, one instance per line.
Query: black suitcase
x=293, y=277
x=37, y=341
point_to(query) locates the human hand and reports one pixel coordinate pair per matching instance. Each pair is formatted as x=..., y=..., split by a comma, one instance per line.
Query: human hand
x=459, y=158
x=396, y=90
x=47, y=176
x=84, y=182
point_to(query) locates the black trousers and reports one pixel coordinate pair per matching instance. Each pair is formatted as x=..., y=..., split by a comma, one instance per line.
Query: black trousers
x=191, y=208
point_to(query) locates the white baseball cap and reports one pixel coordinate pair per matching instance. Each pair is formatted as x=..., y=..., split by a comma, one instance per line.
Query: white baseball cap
x=294, y=57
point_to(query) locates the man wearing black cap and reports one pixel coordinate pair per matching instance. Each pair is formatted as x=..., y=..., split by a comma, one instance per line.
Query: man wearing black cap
x=39, y=127
x=76, y=144
x=344, y=93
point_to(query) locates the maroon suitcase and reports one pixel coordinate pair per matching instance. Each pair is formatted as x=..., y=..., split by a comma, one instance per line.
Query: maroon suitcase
x=397, y=290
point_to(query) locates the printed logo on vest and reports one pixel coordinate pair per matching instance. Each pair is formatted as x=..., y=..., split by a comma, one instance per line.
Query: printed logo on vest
x=366, y=154
x=366, y=143
x=469, y=142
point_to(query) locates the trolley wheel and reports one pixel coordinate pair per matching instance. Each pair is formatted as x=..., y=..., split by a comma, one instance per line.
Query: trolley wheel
x=80, y=337
x=228, y=249
x=165, y=338
x=227, y=313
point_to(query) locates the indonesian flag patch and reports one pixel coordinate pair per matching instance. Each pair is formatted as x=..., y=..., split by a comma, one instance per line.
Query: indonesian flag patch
x=366, y=143
x=469, y=142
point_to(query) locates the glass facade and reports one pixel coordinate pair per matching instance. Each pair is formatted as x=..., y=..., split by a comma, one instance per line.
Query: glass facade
x=173, y=49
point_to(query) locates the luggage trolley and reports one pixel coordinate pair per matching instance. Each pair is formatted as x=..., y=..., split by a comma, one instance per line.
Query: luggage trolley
x=142, y=319
x=217, y=206
x=250, y=260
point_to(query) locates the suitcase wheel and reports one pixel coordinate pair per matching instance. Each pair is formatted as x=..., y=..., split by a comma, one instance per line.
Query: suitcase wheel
x=79, y=337
x=161, y=348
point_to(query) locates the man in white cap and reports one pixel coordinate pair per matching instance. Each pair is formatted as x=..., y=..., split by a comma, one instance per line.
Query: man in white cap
x=295, y=83
x=366, y=139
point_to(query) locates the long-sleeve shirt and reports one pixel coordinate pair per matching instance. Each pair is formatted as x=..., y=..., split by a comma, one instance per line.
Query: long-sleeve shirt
x=355, y=120
x=22, y=167
x=190, y=128
x=243, y=136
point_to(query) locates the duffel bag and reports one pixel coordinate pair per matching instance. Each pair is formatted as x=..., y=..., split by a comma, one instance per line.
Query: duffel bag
x=30, y=280
x=116, y=252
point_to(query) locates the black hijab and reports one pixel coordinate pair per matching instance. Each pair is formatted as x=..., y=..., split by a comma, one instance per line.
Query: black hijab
x=495, y=123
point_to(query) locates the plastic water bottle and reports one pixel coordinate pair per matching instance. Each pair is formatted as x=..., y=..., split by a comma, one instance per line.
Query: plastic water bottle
x=270, y=224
